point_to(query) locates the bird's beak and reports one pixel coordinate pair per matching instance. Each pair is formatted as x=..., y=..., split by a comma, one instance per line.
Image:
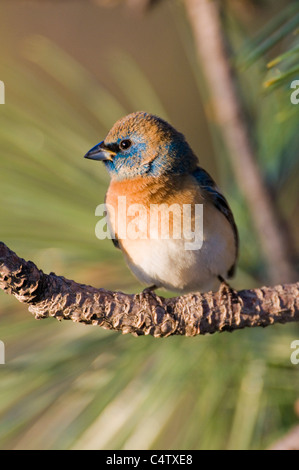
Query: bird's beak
x=100, y=152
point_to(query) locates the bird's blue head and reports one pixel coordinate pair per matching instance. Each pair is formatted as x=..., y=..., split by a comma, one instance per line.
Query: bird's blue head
x=142, y=144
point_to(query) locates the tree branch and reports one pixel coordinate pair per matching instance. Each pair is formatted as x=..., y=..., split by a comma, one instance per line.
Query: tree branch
x=215, y=62
x=145, y=313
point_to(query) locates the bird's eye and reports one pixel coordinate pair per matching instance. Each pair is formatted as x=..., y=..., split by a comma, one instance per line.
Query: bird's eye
x=125, y=144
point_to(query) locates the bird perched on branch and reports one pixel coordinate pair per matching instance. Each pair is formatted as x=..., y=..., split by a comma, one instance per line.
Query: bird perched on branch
x=173, y=225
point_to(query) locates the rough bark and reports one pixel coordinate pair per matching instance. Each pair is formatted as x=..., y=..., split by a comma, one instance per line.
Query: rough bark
x=49, y=295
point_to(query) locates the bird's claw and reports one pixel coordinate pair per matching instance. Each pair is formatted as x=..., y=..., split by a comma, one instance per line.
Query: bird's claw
x=226, y=289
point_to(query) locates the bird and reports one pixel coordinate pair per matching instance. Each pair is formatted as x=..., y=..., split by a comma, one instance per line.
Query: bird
x=151, y=165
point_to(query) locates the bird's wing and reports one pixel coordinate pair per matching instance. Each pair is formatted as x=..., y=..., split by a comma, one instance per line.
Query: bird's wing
x=211, y=192
x=114, y=240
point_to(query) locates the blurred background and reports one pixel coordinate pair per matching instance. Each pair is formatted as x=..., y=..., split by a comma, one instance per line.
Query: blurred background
x=71, y=69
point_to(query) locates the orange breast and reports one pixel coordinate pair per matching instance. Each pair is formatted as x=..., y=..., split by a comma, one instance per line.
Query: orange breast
x=150, y=190
x=138, y=202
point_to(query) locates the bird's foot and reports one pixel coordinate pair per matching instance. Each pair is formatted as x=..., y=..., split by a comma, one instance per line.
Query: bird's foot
x=226, y=289
x=150, y=289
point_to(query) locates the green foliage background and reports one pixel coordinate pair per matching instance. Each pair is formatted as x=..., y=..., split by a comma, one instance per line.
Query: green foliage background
x=66, y=386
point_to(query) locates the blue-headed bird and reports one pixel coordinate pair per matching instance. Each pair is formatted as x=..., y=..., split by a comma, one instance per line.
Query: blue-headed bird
x=152, y=165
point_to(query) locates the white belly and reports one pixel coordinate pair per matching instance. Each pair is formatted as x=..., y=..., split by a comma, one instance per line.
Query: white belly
x=167, y=263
